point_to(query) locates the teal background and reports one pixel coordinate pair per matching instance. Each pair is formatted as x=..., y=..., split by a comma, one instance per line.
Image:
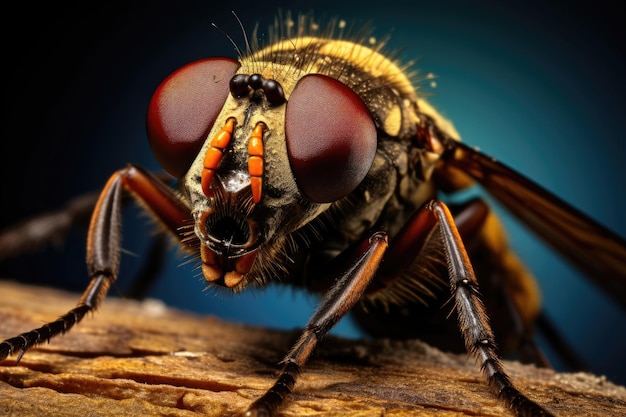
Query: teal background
x=539, y=86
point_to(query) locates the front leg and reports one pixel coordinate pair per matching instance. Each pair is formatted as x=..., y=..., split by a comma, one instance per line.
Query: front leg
x=335, y=305
x=473, y=321
x=434, y=217
x=103, y=247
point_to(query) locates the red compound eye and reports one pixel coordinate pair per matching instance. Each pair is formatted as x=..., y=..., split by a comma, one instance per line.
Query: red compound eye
x=331, y=138
x=183, y=109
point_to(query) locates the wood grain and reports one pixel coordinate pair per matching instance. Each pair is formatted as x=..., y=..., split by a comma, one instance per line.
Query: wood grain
x=144, y=359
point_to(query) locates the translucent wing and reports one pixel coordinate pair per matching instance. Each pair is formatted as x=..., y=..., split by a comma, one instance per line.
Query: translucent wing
x=596, y=250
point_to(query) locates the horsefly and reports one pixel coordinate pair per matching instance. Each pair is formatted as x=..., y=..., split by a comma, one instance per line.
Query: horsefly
x=313, y=160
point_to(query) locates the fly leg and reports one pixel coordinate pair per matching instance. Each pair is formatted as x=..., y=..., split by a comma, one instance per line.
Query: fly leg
x=335, y=305
x=53, y=226
x=36, y=232
x=473, y=321
x=509, y=291
x=103, y=247
x=49, y=227
x=434, y=223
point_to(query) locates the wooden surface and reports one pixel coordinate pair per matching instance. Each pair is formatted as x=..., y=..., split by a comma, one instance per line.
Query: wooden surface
x=142, y=359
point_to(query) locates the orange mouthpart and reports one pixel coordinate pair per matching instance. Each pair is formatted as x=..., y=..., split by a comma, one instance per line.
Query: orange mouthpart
x=214, y=154
x=255, y=161
x=213, y=267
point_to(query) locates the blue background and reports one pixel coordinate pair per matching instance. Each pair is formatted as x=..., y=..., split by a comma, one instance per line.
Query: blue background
x=541, y=87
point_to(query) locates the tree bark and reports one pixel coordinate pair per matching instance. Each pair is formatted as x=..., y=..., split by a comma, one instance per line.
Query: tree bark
x=144, y=359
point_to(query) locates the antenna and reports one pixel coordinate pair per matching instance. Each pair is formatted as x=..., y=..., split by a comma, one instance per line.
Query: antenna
x=245, y=35
x=239, y=52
